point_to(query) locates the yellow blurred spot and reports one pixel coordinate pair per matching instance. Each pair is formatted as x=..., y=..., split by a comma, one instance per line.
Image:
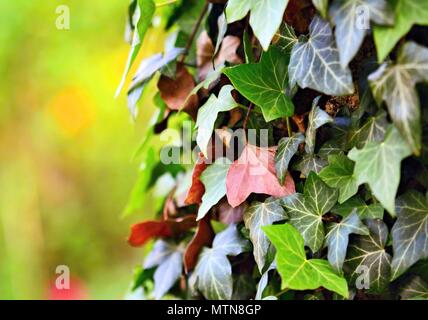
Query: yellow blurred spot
x=73, y=110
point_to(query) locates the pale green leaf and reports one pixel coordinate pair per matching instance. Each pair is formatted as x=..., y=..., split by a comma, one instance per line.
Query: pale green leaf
x=265, y=19
x=364, y=211
x=208, y=113
x=214, y=180
x=378, y=165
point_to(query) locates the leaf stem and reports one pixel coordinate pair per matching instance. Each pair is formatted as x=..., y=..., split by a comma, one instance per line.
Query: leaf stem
x=194, y=32
x=287, y=120
x=244, y=125
x=281, y=293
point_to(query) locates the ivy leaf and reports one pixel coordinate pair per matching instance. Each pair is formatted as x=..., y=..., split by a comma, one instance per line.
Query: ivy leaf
x=309, y=163
x=213, y=273
x=145, y=73
x=214, y=180
x=208, y=113
x=373, y=129
x=256, y=216
x=340, y=174
x=364, y=211
x=395, y=84
x=368, y=253
x=197, y=189
x=145, y=231
x=286, y=38
x=203, y=237
x=317, y=118
x=322, y=7
x=263, y=282
x=287, y=148
x=337, y=238
x=378, y=164
x=254, y=172
x=408, y=13
x=144, y=12
x=315, y=62
x=297, y=272
x=410, y=232
x=265, y=19
x=349, y=34
x=174, y=91
x=306, y=210
x=265, y=83
x=168, y=259
x=414, y=289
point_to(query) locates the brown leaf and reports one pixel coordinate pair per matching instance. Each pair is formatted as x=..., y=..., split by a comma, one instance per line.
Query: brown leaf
x=228, y=215
x=203, y=238
x=175, y=91
x=197, y=189
x=142, y=232
x=205, y=52
x=254, y=172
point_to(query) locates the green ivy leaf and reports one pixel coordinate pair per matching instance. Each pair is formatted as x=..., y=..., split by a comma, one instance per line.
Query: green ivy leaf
x=286, y=38
x=315, y=62
x=408, y=13
x=337, y=238
x=364, y=211
x=373, y=129
x=265, y=19
x=297, y=272
x=143, y=15
x=340, y=174
x=213, y=272
x=349, y=35
x=208, y=113
x=395, y=84
x=414, y=289
x=309, y=163
x=214, y=180
x=378, y=164
x=367, y=253
x=306, y=210
x=265, y=83
x=287, y=148
x=256, y=216
x=410, y=232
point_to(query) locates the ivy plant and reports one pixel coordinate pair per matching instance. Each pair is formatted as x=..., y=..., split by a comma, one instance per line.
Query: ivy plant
x=299, y=165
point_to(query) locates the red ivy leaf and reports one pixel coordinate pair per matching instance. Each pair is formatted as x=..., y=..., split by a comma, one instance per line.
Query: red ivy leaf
x=203, y=238
x=254, y=172
x=145, y=231
x=197, y=189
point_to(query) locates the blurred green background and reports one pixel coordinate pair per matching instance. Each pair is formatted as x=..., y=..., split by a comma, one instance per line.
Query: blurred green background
x=66, y=148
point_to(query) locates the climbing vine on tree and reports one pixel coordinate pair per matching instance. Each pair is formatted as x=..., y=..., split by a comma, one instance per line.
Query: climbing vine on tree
x=318, y=187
